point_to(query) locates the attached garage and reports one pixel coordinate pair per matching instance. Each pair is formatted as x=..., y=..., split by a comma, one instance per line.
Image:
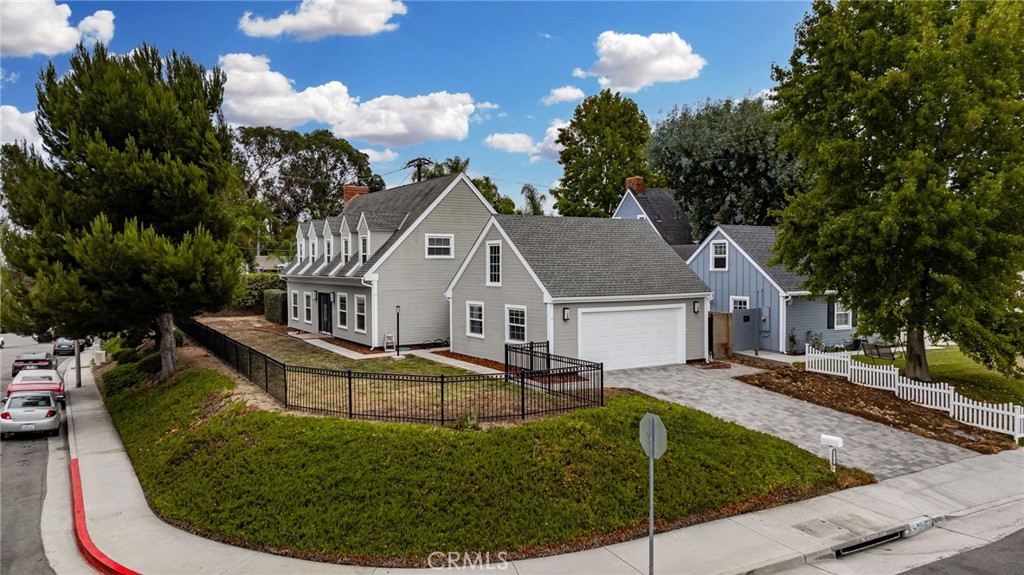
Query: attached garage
x=624, y=337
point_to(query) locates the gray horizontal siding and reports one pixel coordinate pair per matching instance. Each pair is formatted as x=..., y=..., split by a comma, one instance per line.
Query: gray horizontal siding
x=329, y=286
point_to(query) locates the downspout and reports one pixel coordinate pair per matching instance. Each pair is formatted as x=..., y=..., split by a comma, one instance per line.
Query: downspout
x=551, y=327
x=451, y=332
x=373, y=320
x=783, y=306
x=707, y=340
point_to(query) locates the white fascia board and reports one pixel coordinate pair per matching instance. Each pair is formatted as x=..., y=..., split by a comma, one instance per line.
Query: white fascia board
x=343, y=230
x=613, y=298
x=440, y=198
x=700, y=247
x=629, y=193
x=751, y=260
x=526, y=264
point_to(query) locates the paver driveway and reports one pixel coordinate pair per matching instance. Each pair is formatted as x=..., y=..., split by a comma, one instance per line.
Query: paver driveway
x=876, y=448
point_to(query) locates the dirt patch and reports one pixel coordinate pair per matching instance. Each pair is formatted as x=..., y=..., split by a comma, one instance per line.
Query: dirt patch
x=875, y=405
x=495, y=365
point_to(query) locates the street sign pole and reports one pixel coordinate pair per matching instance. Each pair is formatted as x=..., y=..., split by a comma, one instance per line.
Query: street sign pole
x=650, y=490
x=654, y=440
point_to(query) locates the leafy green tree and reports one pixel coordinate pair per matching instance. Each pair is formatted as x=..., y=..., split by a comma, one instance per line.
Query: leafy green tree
x=120, y=222
x=296, y=176
x=604, y=143
x=909, y=119
x=724, y=163
x=534, y=201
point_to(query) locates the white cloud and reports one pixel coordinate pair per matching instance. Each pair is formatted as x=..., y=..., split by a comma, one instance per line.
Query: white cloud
x=563, y=94
x=519, y=143
x=487, y=106
x=8, y=77
x=380, y=156
x=255, y=95
x=629, y=62
x=514, y=143
x=315, y=19
x=42, y=27
x=480, y=118
x=16, y=126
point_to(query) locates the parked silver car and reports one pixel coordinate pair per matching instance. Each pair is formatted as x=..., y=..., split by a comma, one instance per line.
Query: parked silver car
x=30, y=412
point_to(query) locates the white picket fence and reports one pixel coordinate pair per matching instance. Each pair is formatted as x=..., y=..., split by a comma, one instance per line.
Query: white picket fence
x=1004, y=418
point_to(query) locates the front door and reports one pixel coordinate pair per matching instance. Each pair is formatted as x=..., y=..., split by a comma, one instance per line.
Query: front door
x=326, y=311
x=746, y=329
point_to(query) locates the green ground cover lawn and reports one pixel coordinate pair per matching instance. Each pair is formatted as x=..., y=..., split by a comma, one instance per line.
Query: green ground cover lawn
x=361, y=492
x=971, y=379
x=294, y=351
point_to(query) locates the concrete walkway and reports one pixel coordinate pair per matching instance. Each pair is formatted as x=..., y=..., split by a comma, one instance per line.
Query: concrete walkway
x=122, y=526
x=876, y=448
x=424, y=353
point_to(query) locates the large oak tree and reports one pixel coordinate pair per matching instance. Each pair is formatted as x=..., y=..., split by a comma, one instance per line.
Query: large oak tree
x=909, y=117
x=121, y=221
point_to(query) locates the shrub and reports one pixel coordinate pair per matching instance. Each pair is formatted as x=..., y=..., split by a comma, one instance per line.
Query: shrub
x=179, y=338
x=151, y=364
x=255, y=285
x=275, y=306
x=125, y=355
x=122, y=377
x=111, y=344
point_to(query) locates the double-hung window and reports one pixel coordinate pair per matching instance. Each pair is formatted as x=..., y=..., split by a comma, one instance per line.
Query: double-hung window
x=329, y=249
x=474, y=319
x=440, y=246
x=494, y=263
x=299, y=247
x=343, y=310
x=345, y=249
x=844, y=319
x=308, y=302
x=719, y=255
x=312, y=249
x=515, y=324
x=364, y=248
x=361, y=313
x=295, y=305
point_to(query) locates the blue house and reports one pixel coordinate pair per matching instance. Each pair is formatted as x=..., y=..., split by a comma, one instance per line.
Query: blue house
x=659, y=208
x=769, y=303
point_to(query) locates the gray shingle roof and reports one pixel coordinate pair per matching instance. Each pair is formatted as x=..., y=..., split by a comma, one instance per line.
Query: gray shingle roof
x=591, y=257
x=385, y=221
x=666, y=215
x=759, y=242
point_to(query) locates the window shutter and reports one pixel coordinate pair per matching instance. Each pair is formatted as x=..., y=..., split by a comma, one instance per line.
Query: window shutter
x=831, y=314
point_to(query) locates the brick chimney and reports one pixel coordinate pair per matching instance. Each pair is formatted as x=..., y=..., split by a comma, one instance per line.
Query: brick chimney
x=353, y=192
x=636, y=183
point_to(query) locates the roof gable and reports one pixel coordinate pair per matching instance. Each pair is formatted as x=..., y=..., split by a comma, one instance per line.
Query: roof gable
x=757, y=243
x=668, y=218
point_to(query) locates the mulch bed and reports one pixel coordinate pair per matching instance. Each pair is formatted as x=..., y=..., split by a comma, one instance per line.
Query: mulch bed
x=875, y=405
x=274, y=328
x=496, y=365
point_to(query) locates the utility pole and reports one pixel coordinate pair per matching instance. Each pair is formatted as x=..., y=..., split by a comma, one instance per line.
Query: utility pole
x=419, y=163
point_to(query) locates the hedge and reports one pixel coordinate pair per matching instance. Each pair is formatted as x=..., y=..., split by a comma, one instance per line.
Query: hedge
x=255, y=285
x=275, y=306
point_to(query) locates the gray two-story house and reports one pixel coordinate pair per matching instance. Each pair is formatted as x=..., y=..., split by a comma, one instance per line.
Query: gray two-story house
x=397, y=248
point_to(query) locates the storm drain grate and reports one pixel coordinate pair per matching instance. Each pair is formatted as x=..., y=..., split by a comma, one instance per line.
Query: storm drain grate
x=840, y=553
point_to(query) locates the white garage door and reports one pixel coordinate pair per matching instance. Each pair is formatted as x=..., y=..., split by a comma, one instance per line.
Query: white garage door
x=632, y=336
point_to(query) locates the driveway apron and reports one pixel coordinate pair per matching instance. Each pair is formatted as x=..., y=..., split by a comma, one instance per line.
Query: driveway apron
x=874, y=447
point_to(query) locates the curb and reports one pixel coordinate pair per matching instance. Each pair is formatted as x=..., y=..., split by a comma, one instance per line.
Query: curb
x=92, y=555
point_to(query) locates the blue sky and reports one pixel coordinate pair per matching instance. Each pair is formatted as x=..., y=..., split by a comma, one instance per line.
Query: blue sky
x=491, y=81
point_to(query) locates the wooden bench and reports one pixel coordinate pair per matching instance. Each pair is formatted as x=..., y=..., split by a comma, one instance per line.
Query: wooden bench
x=886, y=352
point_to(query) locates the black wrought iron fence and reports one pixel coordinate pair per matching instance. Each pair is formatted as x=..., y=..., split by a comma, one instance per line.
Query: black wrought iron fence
x=537, y=383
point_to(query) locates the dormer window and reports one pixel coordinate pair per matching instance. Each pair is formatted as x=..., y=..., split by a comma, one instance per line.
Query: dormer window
x=345, y=249
x=364, y=248
x=329, y=249
x=300, y=250
x=312, y=248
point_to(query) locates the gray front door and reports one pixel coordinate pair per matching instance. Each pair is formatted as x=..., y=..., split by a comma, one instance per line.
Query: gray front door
x=746, y=329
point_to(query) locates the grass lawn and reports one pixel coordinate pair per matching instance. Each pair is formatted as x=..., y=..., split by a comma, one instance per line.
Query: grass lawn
x=390, y=494
x=971, y=379
x=294, y=351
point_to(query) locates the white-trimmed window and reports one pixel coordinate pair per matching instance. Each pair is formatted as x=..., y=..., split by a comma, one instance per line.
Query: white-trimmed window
x=738, y=303
x=361, y=313
x=343, y=310
x=515, y=324
x=329, y=249
x=475, y=319
x=307, y=299
x=312, y=248
x=346, y=249
x=295, y=305
x=719, y=255
x=844, y=319
x=364, y=248
x=299, y=247
x=440, y=246
x=494, y=263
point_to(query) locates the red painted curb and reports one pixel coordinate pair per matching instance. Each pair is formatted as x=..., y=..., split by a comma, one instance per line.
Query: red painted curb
x=92, y=555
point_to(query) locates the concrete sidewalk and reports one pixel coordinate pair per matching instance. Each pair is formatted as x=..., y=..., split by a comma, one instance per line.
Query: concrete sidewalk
x=122, y=526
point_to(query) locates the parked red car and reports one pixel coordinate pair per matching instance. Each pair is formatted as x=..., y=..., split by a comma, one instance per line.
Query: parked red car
x=38, y=380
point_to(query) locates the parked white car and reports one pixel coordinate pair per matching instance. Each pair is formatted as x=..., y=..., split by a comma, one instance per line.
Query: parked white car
x=30, y=412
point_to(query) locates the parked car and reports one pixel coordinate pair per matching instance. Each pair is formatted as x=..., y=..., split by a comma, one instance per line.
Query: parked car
x=29, y=412
x=64, y=346
x=41, y=360
x=38, y=380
